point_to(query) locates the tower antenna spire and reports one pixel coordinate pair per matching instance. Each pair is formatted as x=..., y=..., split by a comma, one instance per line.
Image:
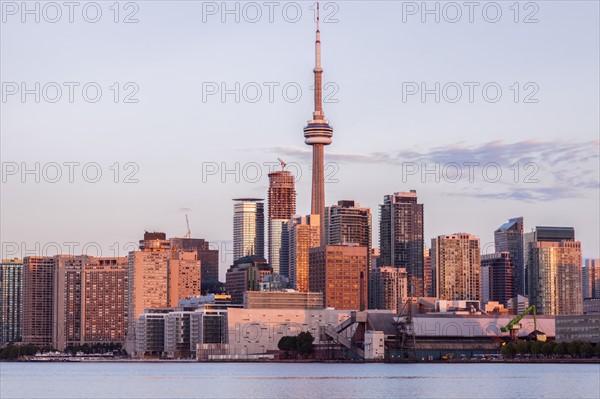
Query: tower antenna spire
x=317, y=134
x=318, y=71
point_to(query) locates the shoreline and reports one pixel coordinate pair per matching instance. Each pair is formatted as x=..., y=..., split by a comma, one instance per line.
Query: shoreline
x=511, y=361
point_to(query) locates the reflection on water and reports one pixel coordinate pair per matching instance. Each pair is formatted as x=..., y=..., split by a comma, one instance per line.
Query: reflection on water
x=294, y=380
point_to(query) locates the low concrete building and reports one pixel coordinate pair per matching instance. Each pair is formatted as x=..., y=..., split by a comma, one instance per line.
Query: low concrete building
x=582, y=328
x=374, y=345
x=288, y=299
x=177, y=333
x=591, y=306
x=258, y=331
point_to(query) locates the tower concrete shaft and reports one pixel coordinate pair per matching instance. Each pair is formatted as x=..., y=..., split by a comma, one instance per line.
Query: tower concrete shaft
x=318, y=133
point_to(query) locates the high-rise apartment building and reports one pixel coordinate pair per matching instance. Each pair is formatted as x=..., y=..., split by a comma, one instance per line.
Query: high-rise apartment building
x=75, y=299
x=38, y=289
x=340, y=272
x=66, y=300
x=245, y=274
x=497, y=278
x=207, y=255
x=159, y=276
x=509, y=238
x=554, y=269
x=387, y=286
x=282, y=206
x=591, y=278
x=89, y=300
x=11, y=303
x=427, y=274
x=456, y=265
x=348, y=223
x=248, y=228
x=304, y=234
x=104, y=294
x=401, y=239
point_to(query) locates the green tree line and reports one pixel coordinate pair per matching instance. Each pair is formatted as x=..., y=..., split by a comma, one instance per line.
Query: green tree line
x=551, y=349
x=12, y=352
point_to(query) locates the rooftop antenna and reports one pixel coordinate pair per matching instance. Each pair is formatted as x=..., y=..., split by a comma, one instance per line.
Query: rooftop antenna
x=189, y=232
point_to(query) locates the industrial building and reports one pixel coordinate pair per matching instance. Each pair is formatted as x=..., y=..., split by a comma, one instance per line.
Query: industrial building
x=581, y=328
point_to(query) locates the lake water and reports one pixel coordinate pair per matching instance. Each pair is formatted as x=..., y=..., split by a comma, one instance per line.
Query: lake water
x=297, y=380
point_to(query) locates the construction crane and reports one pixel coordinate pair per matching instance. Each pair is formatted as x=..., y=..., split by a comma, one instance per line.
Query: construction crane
x=189, y=232
x=514, y=326
x=405, y=333
x=283, y=164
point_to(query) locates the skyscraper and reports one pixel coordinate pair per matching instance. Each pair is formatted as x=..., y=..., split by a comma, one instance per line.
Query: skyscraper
x=66, y=300
x=497, y=277
x=427, y=274
x=38, y=287
x=554, y=269
x=104, y=297
x=282, y=206
x=245, y=274
x=248, y=228
x=318, y=134
x=208, y=257
x=74, y=299
x=11, y=303
x=401, y=238
x=591, y=278
x=304, y=234
x=89, y=300
x=456, y=267
x=387, y=286
x=555, y=277
x=340, y=273
x=348, y=223
x=159, y=276
x=509, y=238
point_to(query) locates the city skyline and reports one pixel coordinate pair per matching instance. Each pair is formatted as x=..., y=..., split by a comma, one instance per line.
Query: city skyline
x=350, y=159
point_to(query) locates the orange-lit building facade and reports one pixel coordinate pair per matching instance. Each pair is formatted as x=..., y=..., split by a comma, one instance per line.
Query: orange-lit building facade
x=38, y=275
x=160, y=276
x=340, y=273
x=304, y=234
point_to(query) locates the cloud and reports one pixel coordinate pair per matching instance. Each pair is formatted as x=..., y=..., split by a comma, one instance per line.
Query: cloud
x=532, y=170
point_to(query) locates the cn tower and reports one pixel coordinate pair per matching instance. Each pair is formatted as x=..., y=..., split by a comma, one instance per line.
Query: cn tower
x=318, y=133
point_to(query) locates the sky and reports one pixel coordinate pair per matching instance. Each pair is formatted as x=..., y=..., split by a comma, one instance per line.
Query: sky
x=119, y=119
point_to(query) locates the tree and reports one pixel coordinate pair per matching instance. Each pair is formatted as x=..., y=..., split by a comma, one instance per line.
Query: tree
x=287, y=344
x=573, y=348
x=586, y=349
x=521, y=347
x=508, y=350
x=304, y=343
x=536, y=347
x=548, y=348
x=559, y=349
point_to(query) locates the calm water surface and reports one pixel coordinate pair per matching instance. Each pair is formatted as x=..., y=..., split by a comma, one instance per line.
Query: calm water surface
x=292, y=380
